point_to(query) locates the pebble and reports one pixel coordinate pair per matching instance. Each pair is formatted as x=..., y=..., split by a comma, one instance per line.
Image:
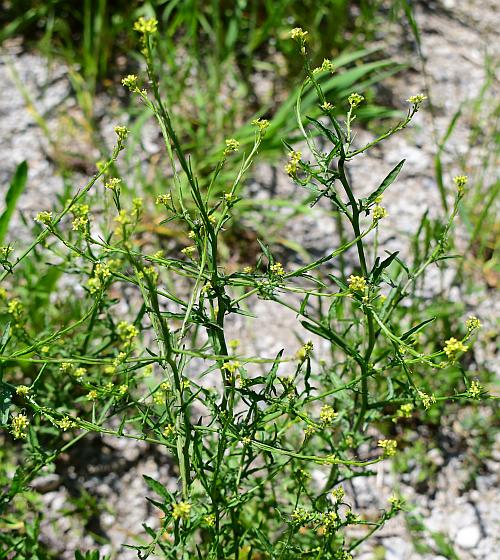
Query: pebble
x=468, y=537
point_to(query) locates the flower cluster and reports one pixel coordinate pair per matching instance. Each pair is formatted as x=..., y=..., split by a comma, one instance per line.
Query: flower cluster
x=232, y=145
x=327, y=415
x=81, y=217
x=293, y=164
x=405, y=411
x=101, y=274
x=189, y=251
x=417, y=100
x=277, y=269
x=113, y=184
x=22, y=390
x=66, y=423
x=379, y=212
x=181, y=510
x=326, y=66
x=44, y=218
x=356, y=283
x=427, y=400
x=262, y=125
x=130, y=82
x=305, y=352
x=389, y=446
x=453, y=346
x=338, y=494
x=473, y=323
x=460, y=182
x=475, y=390
x=298, y=34
x=355, y=99
x=302, y=516
x=121, y=132
x=164, y=199
x=19, y=426
x=15, y=309
x=126, y=331
x=145, y=26
x=231, y=367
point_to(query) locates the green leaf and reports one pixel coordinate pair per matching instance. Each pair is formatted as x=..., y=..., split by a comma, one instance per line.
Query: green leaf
x=417, y=328
x=385, y=184
x=271, y=376
x=5, y=402
x=158, y=488
x=16, y=187
x=379, y=267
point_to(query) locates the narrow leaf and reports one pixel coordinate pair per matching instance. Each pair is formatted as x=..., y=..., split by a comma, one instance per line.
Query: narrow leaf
x=16, y=187
x=417, y=328
x=386, y=183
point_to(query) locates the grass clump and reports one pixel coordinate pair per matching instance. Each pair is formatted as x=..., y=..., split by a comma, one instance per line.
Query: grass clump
x=249, y=441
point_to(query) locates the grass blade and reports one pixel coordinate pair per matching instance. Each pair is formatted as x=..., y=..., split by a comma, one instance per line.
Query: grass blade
x=16, y=187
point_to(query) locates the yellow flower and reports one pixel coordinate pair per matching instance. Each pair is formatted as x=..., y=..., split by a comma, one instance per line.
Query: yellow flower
x=113, y=184
x=327, y=415
x=473, y=323
x=277, y=268
x=417, y=99
x=143, y=25
x=261, y=124
x=356, y=283
x=126, y=331
x=379, y=212
x=232, y=366
x=427, y=400
x=168, y=430
x=122, y=132
x=22, y=390
x=475, y=390
x=355, y=99
x=92, y=395
x=189, y=251
x=44, y=217
x=389, y=446
x=65, y=423
x=130, y=81
x=298, y=34
x=122, y=389
x=305, y=351
x=181, y=510
x=460, y=182
x=453, y=346
x=232, y=145
x=210, y=519
x=15, y=308
x=19, y=426
x=338, y=493
x=293, y=164
x=404, y=412
x=163, y=198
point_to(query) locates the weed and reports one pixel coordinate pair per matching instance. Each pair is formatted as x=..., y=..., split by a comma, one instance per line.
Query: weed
x=163, y=371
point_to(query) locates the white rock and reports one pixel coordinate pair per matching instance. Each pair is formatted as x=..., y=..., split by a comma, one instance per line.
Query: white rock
x=468, y=537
